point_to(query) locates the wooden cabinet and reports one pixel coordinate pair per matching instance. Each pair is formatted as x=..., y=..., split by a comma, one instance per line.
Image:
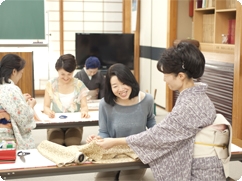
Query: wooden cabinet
x=221, y=13
x=214, y=26
x=26, y=83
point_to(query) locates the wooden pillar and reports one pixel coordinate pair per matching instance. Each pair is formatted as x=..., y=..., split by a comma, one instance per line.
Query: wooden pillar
x=137, y=43
x=171, y=37
x=127, y=16
x=237, y=89
x=127, y=12
x=61, y=27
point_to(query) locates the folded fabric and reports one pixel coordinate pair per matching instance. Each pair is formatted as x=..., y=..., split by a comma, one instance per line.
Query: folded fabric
x=215, y=140
x=64, y=156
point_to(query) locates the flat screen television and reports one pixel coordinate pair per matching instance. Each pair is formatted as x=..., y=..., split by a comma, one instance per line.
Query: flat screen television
x=109, y=48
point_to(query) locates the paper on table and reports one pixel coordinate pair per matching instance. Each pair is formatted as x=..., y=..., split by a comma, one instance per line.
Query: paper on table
x=93, y=106
x=235, y=148
x=71, y=117
x=34, y=159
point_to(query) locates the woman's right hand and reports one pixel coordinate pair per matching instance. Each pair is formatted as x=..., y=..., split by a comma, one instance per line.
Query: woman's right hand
x=92, y=137
x=50, y=113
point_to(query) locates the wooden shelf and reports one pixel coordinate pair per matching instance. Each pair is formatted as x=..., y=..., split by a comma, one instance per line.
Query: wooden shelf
x=205, y=9
x=217, y=48
x=212, y=24
x=226, y=10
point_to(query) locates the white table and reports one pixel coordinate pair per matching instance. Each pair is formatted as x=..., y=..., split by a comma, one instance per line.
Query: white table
x=72, y=120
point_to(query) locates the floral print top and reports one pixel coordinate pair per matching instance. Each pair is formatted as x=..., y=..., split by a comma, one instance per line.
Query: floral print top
x=22, y=116
x=80, y=91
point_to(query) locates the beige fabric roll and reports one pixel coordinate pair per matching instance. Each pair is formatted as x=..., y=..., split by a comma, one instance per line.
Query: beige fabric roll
x=64, y=156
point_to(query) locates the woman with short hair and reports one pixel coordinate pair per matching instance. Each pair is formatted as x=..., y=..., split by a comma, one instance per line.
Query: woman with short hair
x=65, y=94
x=92, y=77
x=18, y=106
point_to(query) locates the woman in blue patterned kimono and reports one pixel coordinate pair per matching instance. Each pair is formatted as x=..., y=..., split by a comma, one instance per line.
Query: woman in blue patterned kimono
x=15, y=104
x=168, y=147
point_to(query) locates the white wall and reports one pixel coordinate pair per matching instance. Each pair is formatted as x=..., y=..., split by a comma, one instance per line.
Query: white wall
x=145, y=40
x=184, y=22
x=80, y=16
x=159, y=23
x=153, y=33
x=96, y=16
x=145, y=75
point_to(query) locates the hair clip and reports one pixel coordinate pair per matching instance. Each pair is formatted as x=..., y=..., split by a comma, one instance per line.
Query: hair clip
x=183, y=66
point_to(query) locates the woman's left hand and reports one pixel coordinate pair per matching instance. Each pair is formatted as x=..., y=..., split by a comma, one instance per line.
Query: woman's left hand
x=84, y=114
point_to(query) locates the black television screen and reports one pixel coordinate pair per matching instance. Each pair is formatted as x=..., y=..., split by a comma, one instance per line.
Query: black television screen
x=109, y=48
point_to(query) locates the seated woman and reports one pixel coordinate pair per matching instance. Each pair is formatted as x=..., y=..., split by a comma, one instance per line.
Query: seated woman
x=65, y=94
x=13, y=104
x=92, y=78
x=124, y=111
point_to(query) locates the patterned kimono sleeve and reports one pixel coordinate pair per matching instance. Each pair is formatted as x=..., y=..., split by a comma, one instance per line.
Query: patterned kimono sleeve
x=49, y=89
x=172, y=134
x=20, y=112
